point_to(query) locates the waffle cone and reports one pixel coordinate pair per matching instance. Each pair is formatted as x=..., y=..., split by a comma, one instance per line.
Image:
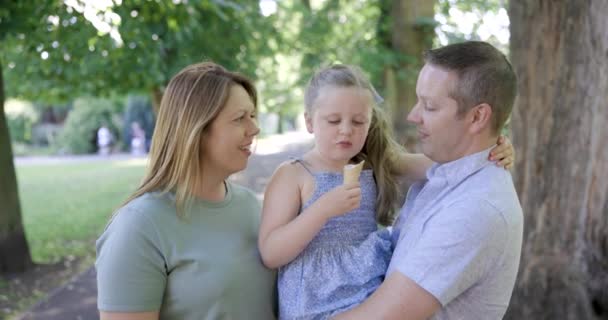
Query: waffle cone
x=352, y=172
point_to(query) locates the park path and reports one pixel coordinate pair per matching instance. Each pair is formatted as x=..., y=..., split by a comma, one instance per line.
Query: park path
x=77, y=299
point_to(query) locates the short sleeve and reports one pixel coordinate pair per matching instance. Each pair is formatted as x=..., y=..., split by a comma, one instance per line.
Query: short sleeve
x=256, y=212
x=130, y=265
x=457, y=248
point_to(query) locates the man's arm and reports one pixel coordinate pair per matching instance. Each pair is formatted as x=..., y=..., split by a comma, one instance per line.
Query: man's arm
x=398, y=297
x=451, y=255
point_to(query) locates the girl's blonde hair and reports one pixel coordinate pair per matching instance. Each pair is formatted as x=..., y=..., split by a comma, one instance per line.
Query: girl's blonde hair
x=380, y=150
x=191, y=102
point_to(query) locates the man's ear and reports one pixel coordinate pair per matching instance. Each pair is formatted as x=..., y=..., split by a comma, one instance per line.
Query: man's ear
x=308, y=120
x=480, y=118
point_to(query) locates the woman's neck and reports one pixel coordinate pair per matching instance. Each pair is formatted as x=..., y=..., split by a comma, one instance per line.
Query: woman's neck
x=214, y=191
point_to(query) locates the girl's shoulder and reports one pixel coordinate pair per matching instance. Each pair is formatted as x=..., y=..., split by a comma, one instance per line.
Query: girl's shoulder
x=293, y=170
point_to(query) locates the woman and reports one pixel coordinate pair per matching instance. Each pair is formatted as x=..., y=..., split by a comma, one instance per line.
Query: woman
x=183, y=246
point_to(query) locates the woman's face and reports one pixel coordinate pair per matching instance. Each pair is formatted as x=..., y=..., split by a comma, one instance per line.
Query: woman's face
x=227, y=143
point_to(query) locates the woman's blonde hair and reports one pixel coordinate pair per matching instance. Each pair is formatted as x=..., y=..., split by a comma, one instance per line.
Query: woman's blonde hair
x=380, y=149
x=192, y=100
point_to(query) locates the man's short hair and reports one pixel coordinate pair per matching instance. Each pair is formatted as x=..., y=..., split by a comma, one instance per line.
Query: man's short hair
x=484, y=76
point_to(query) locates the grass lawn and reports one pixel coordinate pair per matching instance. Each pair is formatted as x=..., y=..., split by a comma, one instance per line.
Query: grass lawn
x=66, y=206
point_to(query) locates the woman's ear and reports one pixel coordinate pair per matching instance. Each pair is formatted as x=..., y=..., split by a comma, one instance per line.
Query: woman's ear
x=481, y=118
x=308, y=120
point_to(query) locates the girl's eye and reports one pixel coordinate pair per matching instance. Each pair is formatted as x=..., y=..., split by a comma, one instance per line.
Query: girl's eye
x=358, y=123
x=333, y=121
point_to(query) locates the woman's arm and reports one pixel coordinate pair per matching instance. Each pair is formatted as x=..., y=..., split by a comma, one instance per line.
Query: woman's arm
x=128, y=315
x=283, y=233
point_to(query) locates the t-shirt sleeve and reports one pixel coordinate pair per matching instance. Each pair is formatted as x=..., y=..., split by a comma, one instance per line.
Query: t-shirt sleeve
x=255, y=212
x=457, y=247
x=130, y=265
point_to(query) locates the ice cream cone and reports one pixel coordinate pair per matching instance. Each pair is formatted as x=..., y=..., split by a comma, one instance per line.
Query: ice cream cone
x=352, y=172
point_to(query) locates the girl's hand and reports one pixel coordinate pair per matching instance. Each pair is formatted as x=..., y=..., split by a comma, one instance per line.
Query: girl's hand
x=503, y=153
x=340, y=200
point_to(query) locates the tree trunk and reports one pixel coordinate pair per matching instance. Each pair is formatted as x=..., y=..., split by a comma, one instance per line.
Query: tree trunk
x=560, y=53
x=412, y=32
x=157, y=96
x=280, y=124
x=14, y=251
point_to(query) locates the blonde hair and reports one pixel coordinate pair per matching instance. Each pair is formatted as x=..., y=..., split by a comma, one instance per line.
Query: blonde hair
x=191, y=102
x=380, y=149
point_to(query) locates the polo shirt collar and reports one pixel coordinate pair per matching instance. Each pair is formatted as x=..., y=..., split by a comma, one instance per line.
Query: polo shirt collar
x=456, y=171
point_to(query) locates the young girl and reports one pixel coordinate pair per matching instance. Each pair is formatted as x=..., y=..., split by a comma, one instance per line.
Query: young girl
x=321, y=234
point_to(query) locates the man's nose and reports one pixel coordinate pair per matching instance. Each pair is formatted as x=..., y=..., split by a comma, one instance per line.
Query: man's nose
x=414, y=115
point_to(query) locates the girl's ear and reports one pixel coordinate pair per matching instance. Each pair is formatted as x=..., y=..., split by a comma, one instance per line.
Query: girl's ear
x=308, y=119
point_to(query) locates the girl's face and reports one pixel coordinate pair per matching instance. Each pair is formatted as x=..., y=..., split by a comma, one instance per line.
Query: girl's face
x=340, y=121
x=227, y=143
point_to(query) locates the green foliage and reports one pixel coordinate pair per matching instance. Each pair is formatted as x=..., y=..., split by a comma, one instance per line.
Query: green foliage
x=138, y=109
x=65, y=55
x=462, y=20
x=21, y=117
x=79, y=134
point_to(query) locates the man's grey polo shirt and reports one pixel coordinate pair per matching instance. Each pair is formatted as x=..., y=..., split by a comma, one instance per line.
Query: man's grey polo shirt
x=459, y=236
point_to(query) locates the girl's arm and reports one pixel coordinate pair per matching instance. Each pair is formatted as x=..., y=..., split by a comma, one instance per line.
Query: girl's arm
x=414, y=165
x=283, y=233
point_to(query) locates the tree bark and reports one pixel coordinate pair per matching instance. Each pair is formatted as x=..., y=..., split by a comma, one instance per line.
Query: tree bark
x=560, y=53
x=157, y=96
x=14, y=251
x=412, y=32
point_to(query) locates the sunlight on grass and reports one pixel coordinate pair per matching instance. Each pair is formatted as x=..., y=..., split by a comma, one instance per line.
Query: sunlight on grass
x=66, y=206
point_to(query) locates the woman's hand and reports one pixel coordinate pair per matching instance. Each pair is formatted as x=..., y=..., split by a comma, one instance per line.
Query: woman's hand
x=503, y=153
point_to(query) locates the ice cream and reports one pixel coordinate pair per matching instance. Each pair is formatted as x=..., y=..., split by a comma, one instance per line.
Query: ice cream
x=352, y=172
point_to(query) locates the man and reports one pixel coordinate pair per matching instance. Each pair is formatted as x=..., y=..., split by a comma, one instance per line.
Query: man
x=457, y=241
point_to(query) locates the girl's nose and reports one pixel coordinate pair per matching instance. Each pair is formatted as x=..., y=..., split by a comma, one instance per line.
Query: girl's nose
x=345, y=128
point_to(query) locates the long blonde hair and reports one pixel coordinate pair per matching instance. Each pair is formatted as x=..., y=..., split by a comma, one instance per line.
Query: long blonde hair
x=380, y=149
x=192, y=100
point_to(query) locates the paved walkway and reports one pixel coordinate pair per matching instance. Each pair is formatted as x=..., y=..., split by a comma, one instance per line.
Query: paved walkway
x=77, y=299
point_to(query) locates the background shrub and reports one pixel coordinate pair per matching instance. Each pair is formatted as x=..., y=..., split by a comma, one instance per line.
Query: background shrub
x=79, y=133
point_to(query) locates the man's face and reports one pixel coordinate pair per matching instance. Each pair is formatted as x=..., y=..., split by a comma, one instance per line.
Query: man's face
x=441, y=131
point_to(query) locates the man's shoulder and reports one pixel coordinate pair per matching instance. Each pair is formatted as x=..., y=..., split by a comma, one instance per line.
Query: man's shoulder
x=492, y=189
x=491, y=183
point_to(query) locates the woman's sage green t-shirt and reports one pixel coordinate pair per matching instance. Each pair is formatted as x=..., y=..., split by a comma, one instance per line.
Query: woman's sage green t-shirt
x=203, y=266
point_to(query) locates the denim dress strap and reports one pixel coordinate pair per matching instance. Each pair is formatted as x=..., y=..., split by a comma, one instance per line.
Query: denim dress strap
x=303, y=164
